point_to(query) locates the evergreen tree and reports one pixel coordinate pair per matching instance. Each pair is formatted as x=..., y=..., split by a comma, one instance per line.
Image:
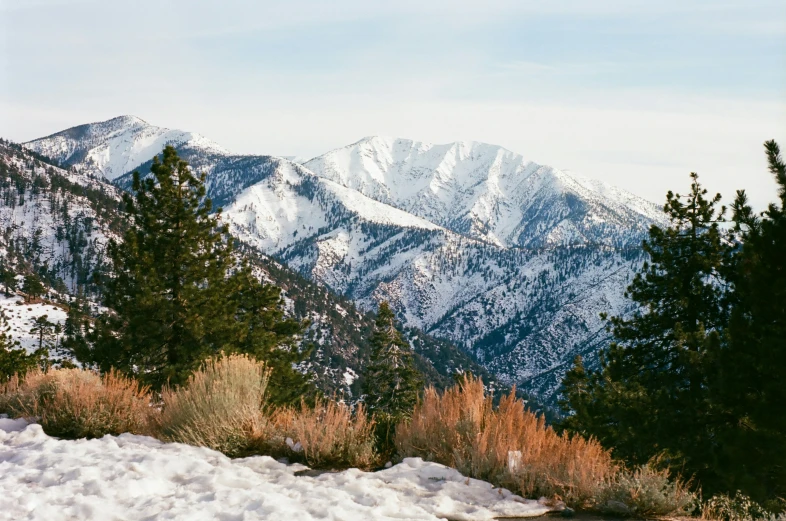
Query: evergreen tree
x=173, y=289
x=32, y=287
x=167, y=285
x=76, y=325
x=752, y=379
x=651, y=394
x=7, y=278
x=390, y=381
x=265, y=334
x=45, y=331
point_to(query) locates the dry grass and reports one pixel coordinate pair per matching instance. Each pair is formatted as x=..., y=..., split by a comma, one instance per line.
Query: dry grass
x=511, y=447
x=508, y=446
x=75, y=403
x=220, y=407
x=329, y=435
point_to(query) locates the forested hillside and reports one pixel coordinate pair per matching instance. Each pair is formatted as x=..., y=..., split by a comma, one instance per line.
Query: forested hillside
x=56, y=223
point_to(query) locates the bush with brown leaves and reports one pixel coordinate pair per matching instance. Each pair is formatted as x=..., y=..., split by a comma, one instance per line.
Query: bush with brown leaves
x=76, y=403
x=327, y=435
x=512, y=447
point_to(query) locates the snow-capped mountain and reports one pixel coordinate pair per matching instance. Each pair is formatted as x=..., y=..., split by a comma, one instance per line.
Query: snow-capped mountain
x=470, y=242
x=487, y=192
x=56, y=223
x=114, y=147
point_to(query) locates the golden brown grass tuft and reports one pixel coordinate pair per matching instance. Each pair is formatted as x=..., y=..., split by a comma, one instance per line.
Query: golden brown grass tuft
x=76, y=403
x=507, y=445
x=512, y=447
x=329, y=435
x=220, y=407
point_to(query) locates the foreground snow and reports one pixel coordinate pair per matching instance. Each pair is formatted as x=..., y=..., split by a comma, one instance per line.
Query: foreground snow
x=136, y=477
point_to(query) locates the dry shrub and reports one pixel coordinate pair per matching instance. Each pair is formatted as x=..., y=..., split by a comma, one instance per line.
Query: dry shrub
x=512, y=447
x=646, y=492
x=329, y=435
x=508, y=446
x=723, y=507
x=219, y=407
x=75, y=403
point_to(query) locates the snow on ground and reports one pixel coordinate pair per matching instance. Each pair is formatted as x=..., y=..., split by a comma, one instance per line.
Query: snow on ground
x=139, y=478
x=21, y=316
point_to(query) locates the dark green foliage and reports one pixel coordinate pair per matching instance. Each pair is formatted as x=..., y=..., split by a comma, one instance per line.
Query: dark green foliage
x=699, y=373
x=45, y=331
x=752, y=380
x=265, y=334
x=15, y=359
x=77, y=324
x=176, y=291
x=32, y=287
x=7, y=278
x=651, y=395
x=391, y=382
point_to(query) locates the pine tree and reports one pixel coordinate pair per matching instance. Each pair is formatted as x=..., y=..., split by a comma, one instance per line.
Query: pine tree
x=32, y=287
x=45, y=331
x=752, y=376
x=168, y=276
x=651, y=395
x=74, y=343
x=171, y=290
x=265, y=334
x=7, y=278
x=390, y=381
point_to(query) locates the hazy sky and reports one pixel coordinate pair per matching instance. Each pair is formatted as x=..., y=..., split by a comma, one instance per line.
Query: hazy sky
x=637, y=93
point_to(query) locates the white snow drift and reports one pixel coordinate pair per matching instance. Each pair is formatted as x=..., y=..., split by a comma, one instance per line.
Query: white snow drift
x=136, y=477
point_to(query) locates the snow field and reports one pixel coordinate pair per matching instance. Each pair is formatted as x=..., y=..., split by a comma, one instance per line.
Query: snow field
x=132, y=477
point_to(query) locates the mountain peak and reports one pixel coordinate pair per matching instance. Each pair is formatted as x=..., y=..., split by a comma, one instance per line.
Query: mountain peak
x=116, y=146
x=128, y=120
x=482, y=190
x=399, y=142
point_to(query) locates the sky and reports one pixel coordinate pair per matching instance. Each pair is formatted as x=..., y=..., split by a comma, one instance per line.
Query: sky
x=636, y=93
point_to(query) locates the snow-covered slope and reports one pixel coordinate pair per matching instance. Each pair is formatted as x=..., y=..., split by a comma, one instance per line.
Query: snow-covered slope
x=20, y=317
x=486, y=192
x=470, y=242
x=139, y=478
x=55, y=219
x=114, y=147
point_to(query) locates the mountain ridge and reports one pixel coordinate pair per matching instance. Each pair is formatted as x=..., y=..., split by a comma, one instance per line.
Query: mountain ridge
x=481, y=190
x=470, y=242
